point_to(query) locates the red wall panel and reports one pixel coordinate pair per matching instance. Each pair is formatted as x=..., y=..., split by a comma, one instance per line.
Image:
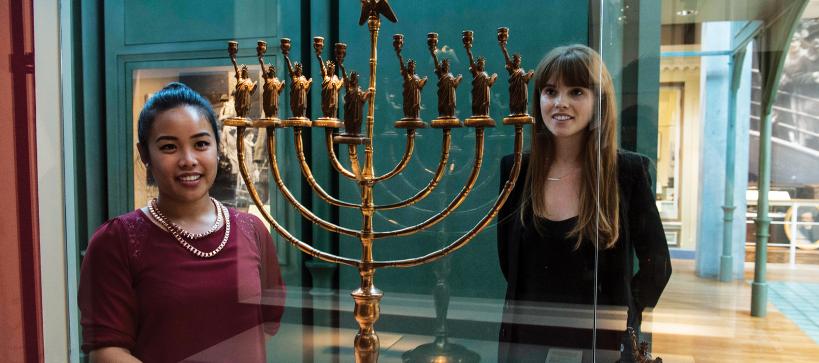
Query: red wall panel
x=20, y=314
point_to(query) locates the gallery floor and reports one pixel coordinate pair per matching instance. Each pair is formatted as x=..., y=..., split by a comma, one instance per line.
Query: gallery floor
x=697, y=320
x=702, y=320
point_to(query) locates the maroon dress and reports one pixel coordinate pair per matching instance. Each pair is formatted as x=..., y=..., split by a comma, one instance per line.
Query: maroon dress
x=142, y=291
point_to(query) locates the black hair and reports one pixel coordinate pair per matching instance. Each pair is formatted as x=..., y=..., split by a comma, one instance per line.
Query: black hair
x=173, y=95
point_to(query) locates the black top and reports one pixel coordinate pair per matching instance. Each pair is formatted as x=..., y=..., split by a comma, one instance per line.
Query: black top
x=550, y=267
x=522, y=252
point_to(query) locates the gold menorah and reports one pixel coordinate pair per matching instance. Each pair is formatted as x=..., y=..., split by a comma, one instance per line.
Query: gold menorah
x=367, y=297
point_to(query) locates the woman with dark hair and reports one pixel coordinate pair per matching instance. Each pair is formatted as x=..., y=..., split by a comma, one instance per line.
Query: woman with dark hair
x=568, y=232
x=183, y=274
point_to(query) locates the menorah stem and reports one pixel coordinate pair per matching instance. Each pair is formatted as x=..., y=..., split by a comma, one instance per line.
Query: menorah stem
x=367, y=310
x=374, y=24
x=367, y=211
x=367, y=297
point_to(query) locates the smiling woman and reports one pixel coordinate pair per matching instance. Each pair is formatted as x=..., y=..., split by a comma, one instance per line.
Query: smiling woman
x=568, y=234
x=184, y=273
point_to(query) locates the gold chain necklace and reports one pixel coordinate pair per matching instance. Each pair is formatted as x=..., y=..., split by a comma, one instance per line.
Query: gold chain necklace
x=562, y=176
x=186, y=233
x=172, y=229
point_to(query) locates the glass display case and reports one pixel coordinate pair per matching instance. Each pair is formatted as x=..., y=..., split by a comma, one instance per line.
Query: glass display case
x=671, y=137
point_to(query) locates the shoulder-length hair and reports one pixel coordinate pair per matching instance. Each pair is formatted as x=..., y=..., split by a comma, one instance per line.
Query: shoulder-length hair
x=598, y=215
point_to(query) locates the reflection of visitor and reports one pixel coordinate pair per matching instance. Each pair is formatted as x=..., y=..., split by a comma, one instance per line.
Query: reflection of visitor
x=170, y=280
x=806, y=231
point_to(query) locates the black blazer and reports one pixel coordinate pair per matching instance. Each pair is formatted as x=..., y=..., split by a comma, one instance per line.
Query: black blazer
x=641, y=231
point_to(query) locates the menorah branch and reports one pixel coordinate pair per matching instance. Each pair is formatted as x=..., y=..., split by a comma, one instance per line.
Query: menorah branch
x=306, y=213
x=404, y=159
x=476, y=168
x=436, y=178
x=331, y=152
x=254, y=195
x=460, y=242
x=308, y=174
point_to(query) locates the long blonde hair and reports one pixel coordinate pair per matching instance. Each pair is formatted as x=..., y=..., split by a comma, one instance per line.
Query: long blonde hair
x=598, y=216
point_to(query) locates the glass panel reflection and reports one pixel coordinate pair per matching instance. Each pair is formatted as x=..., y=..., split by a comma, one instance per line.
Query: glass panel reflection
x=689, y=87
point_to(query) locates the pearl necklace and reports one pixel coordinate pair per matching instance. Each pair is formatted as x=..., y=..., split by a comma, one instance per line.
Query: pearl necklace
x=173, y=229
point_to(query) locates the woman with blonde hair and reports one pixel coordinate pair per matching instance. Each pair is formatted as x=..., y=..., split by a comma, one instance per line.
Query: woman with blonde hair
x=583, y=208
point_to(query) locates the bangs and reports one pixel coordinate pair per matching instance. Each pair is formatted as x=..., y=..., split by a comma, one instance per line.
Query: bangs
x=571, y=67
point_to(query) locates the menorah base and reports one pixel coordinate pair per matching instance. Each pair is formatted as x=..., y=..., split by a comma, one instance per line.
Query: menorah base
x=350, y=139
x=520, y=119
x=410, y=123
x=446, y=122
x=479, y=121
x=267, y=122
x=238, y=122
x=297, y=122
x=328, y=122
x=438, y=352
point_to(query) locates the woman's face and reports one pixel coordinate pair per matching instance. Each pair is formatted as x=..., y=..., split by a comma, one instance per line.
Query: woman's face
x=566, y=110
x=182, y=154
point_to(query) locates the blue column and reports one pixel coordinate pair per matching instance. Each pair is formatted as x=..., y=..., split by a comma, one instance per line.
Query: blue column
x=714, y=96
x=726, y=99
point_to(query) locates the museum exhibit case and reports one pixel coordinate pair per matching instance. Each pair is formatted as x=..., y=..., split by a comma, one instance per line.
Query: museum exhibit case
x=386, y=148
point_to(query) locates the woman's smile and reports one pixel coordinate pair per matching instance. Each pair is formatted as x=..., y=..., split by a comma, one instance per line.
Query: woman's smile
x=562, y=117
x=190, y=180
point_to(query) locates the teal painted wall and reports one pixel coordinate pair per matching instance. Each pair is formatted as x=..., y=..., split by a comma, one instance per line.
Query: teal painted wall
x=639, y=74
x=533, y=32
x=196, y=39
